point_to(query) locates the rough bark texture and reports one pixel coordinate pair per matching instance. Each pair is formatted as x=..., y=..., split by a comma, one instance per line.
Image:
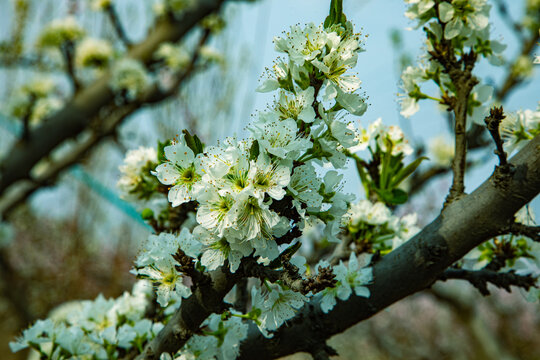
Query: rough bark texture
x=87, y=104
x=206, y=299
x=462, y=225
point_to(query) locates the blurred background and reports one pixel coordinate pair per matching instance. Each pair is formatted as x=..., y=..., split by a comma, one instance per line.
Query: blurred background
x=77, y=238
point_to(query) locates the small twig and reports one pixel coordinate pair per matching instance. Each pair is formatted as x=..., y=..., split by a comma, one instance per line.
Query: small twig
x=241, y=295
x=480, y=278
x=68, y=51
x=26, y=118
x=493, y=120
x=505, y=15
x=511, y=81
x=115, y=21
x=532, y=232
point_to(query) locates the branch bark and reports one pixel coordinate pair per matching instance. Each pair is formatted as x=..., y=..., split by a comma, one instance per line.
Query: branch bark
x=415, y=265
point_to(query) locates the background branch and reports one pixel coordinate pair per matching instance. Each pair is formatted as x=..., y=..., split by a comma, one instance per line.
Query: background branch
x=87, y=104
x=480, y=279
x=117, y=25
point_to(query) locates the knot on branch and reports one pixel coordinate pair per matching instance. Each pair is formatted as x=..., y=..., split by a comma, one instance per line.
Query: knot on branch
x=324, y=279
x=322, y=351
x=429, y=254
x=186, y=266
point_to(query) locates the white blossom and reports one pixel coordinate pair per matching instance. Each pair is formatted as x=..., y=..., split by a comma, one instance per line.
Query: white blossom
x=442, y=151
x=181, y=171
x=129, y=76
x=133, y=168
x=93, y=52
x=60, y=31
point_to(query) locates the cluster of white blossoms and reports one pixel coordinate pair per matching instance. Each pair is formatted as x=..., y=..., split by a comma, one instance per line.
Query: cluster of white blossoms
x=385, y=138
x=461, y=18
x=374, y=224
x=92, y=52
x=158, y=263
x=130, y=77
x=175, y=56
x=35, y=100
x=99, y=329
x=60, y=31
x=136, y=166
x=253, y=199
x=519, y=127
x=466, y=24
x=442, y=151
x=99, y=5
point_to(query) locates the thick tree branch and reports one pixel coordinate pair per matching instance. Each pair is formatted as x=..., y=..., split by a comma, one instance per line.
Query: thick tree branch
x=415, y=265
x=480, y=279
x=87, y=104
x=205, y=300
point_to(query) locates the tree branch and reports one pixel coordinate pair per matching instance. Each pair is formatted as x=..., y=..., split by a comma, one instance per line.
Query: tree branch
x=463, y=225
x=117, y=25
x=464, y=82
x=205, y=300
x=511, y=81
x=480, y=279
x=68, y=52
x=532, y=232
x=496, y=115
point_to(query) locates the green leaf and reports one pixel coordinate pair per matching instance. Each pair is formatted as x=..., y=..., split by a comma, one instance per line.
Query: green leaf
x=304, y=81
x=406, y=171
x=336, y=15
x=199, y=144
x=392, y=197
x=161, y=152
x=193, y=142
x=254, y=150
x=399, y=197
x=287, y=83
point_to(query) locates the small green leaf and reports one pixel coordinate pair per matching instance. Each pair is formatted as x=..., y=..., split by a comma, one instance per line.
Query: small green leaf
x=399, y=197
x=193, y=142
x=336, y=15
x=161, y=152
x=406, y=171
x=199, y=144
x=254, y=150
x=392, y=197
